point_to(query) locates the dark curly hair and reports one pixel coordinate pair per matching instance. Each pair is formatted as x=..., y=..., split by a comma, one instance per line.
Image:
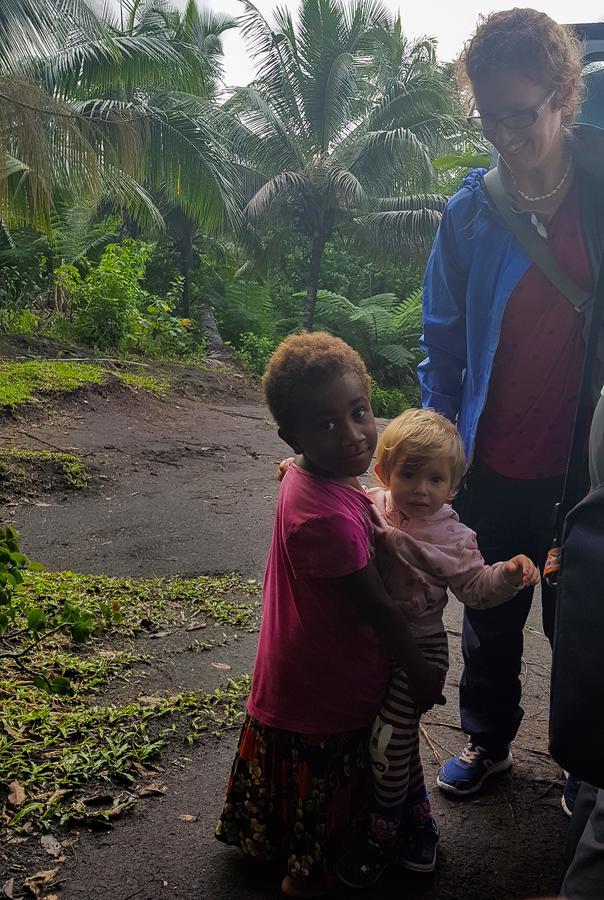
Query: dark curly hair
x=531, y=43
x=303, y=361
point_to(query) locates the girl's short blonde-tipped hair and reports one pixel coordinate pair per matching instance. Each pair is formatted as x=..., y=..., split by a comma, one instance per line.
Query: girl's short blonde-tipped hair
x=416, y=436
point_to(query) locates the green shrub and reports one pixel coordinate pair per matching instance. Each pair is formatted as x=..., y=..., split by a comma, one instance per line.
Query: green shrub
x=107, y=303
x=162, y=333
x=255, y=350
x=387, y=403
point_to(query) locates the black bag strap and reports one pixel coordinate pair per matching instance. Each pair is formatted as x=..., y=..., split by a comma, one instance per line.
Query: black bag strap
x=573, y=477
x=533, y=243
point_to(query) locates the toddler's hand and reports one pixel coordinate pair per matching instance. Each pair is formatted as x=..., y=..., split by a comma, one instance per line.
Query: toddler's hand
x=284, y=466
x=427, y=689
x=521, y=571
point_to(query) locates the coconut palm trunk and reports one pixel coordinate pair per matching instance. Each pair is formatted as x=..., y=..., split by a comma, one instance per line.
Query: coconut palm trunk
x=314, y=270
x=338, y=133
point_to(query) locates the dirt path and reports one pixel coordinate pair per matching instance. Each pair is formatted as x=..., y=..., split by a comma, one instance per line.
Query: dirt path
x=186, y=486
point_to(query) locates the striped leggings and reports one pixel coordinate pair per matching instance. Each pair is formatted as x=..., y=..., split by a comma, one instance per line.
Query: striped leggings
x=394, y=746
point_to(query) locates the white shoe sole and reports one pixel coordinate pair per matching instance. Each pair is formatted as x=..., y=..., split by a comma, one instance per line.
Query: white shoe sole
x=501, y=766
x=417, y=867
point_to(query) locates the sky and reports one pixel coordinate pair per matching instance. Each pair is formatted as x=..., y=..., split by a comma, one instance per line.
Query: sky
x=451, y=22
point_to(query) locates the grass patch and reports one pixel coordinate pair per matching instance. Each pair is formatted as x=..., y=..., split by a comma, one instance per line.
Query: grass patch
x=59, y=749
x=21, y=382
x=152, y=383
x=145, y=604
x=79, y=760
x=22, y=470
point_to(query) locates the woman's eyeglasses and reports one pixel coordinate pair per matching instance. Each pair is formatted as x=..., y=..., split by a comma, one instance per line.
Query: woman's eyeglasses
x=515, y=121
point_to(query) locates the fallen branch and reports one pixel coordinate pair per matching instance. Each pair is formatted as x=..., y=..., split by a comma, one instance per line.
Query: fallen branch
x=93, y=359
x=536, y=752
x=432, y=745
x=40, y=440
x=445, y=725
x=227, y=412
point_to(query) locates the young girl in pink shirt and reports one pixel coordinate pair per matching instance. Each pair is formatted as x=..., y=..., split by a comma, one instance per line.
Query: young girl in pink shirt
x=422, y=549
x=299, y=779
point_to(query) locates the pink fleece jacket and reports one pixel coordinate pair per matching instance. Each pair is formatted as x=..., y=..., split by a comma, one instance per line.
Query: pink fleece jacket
x=420, y=558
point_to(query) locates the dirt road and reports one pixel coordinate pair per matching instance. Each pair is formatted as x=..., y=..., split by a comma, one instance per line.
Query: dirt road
x=185, y=486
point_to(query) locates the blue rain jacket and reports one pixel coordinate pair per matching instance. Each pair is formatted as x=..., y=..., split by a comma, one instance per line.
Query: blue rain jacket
x=474, y=266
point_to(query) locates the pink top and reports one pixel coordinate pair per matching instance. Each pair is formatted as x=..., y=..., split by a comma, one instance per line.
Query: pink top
x=526, y=426
x=419, y=559
x=319, y=667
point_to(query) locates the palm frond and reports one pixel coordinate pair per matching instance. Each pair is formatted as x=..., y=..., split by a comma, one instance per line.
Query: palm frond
x=266, y=138
x=346, y=186
x=403, y=234
x=383, y=157
x=54, y=147
x=275, y=190
x=124, y=192
x=339, y=90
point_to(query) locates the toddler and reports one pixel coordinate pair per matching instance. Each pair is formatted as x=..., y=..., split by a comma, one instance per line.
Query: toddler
x=422, y=549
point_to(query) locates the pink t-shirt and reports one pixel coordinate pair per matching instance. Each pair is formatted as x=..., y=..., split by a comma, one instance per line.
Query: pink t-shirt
x=319, y=667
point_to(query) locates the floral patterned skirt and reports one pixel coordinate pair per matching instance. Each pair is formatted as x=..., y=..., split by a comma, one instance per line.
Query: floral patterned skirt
x=296, y=797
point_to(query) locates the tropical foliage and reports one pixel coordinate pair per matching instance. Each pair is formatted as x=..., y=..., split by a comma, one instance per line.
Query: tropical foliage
x=342, y=122
x=110, y=110
x=145, y=206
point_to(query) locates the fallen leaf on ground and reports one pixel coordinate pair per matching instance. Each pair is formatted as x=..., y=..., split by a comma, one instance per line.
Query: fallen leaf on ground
x=151, y=701
x=222, y=666
x=8, y=888
x=100, y=818
x=51, y=845
x=187, y=818
x=160, y=634
x=16, y=735
x=16, y=794
x=35, y=884
x=99, y=800
x=58, y=795
x=145, y=773
x=195, y=626
x=154, y=788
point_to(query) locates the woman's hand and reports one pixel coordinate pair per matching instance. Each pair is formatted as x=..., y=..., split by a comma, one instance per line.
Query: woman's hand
x=284, y=466
x=521, y=571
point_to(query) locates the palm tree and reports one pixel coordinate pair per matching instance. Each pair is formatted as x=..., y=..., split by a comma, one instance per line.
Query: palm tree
x=90, y=106
x=340, y=144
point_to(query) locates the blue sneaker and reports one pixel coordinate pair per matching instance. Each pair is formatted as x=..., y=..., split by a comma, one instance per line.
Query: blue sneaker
x=465, y=774
x=569, y=794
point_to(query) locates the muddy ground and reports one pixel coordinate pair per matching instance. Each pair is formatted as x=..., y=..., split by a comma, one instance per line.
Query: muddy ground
x=186, y=485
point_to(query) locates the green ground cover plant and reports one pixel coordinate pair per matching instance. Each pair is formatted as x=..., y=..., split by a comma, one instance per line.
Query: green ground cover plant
x=16, y=467
x=22, y=382
x=66, y=755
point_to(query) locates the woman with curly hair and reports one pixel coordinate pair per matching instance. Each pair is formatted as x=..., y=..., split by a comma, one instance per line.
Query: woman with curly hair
x=505, y=347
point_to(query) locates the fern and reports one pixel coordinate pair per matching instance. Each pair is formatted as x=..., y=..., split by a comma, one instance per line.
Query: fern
x=381, y=328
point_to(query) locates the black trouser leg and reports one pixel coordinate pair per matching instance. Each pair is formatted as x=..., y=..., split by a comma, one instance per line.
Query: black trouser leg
x=510, y=516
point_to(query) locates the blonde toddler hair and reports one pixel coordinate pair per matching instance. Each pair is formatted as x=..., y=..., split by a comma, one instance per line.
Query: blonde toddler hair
x=416, y=436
